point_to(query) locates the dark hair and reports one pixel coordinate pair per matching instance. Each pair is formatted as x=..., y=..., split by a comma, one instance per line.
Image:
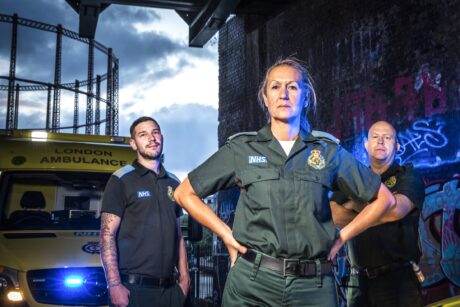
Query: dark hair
x=141, y=120
x=306, y=83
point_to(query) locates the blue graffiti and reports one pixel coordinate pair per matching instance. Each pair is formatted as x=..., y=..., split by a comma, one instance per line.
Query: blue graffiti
x=418, y=142
x=359, y=151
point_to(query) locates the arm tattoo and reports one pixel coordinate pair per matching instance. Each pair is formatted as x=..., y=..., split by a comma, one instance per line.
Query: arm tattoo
x=108, y=248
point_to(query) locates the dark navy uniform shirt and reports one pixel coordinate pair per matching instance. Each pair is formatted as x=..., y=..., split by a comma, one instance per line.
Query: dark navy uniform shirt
x=395, y=241
x=147, y=239
x=283, y=209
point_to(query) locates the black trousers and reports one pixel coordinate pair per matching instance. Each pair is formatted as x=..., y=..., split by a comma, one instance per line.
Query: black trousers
x=155, y=297
x=396, y=288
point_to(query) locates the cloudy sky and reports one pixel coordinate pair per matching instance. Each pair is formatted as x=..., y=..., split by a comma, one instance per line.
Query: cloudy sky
x=160, y=75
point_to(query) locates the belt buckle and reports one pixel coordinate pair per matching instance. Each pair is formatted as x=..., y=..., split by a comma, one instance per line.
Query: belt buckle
x=134, y=279
x=291, y=267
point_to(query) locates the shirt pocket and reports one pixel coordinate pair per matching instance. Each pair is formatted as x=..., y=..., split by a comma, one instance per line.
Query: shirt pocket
x=312, y=188
x=317, y=177
x=258, y=185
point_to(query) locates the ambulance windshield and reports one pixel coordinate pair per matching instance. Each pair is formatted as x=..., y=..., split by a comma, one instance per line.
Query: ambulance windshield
x=51, y=200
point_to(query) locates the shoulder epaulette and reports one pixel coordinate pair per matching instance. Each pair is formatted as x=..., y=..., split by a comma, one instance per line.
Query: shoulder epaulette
x=123, y=171
x=325, y=136
x=248, y=133
x=172, y=176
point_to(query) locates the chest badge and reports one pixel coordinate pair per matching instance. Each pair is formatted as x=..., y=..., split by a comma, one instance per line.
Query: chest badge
x=257, y=160
x=316, y=160
x=143, y=194
x=390, y=182
x=171, y=193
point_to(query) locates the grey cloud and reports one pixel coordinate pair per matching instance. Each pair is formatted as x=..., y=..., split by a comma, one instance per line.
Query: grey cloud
x=190, y=133
x=128, y=104
x=142, y=56
x=137, y=52
x=164, y=72
x=36, y=49
x=31, y=121
x=48, y=11
x=126, y=15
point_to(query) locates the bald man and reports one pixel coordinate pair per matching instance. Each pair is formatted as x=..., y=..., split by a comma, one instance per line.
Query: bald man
x=380, y=258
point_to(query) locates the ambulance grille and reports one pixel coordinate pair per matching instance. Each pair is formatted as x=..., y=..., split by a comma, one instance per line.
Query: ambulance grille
x=69, y=286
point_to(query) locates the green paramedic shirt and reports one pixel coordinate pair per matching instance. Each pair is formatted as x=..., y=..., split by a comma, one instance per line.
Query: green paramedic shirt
x=283, y=209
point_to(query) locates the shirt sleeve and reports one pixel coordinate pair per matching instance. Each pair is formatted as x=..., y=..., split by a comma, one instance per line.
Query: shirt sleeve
x=355, y=180
x=215, y=174
x=113, y=200
x=178, y=210
x=411, y=185
x=339, y=197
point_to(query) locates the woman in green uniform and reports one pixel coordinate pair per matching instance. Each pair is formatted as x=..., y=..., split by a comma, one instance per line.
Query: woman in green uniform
x=283, y=237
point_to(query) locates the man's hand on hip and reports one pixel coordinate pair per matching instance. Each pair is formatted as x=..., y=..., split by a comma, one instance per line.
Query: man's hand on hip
x=184, y=284
x=119, y=296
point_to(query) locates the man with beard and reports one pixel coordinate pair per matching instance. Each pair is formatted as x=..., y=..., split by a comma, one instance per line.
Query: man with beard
x=141, y=244
x=382, y=257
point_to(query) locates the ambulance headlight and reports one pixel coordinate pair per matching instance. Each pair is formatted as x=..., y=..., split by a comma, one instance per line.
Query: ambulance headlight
x=14, y=296
x=9, y=285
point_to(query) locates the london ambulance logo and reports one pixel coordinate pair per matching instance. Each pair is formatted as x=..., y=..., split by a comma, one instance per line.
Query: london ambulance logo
x=171, y=193
x=91, y=247
x=316, y=160
x=390, y=182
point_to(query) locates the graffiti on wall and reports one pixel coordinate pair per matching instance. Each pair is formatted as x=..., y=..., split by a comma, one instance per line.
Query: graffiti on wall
x=413, y=97
x=425, y=143
x=427, y=125
x=439, y=229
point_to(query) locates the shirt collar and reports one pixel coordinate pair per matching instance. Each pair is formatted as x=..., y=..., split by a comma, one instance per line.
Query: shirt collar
x=392, y=170
x=142, y=170
x=265, y=134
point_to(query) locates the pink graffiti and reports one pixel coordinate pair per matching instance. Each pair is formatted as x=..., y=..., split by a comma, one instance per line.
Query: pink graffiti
x=413, y=97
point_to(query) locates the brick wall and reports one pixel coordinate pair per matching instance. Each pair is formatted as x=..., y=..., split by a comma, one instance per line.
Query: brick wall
x=370, y=60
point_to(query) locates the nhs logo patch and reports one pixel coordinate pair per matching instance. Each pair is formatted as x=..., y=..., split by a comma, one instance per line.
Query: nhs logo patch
x=142, y=194
x=257, y=159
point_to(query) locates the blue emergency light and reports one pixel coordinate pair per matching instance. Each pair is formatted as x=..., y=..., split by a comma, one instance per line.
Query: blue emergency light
x=73, y=281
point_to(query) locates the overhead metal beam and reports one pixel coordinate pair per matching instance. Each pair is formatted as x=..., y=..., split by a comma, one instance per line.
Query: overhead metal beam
x=211, y=18
x=89, y=10
x=204, y=17
x=186, y=6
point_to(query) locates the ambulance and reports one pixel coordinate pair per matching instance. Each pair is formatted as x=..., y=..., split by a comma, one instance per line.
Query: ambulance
x=51, y=186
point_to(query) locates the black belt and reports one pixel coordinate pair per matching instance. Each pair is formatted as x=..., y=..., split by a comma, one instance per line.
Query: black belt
x=288, y=267
x=372, y=273
x=151, y=282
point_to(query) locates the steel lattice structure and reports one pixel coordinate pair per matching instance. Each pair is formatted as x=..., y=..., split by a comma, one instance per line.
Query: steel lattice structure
x=14, y=85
